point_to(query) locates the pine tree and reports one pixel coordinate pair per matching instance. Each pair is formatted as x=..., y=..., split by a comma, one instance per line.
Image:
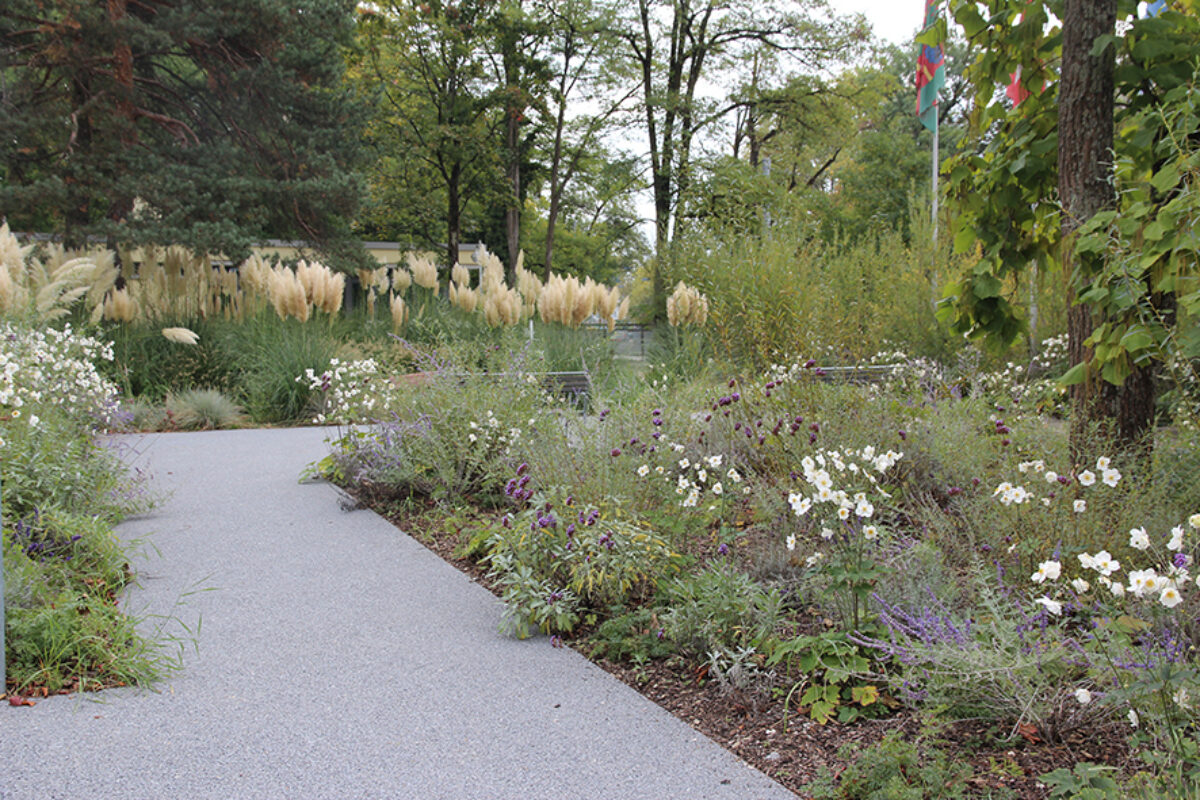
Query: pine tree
x=212, y=124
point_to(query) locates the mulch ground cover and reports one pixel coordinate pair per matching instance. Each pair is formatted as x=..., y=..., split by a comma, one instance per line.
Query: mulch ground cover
x=791, y=748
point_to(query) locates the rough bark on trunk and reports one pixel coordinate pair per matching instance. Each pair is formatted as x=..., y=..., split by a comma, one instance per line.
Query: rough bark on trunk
x=1085, y=141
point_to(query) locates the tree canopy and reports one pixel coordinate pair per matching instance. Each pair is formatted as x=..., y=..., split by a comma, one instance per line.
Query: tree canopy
x=209, y=124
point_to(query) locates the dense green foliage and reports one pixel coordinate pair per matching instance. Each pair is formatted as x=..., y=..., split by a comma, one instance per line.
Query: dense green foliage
x=211, y=125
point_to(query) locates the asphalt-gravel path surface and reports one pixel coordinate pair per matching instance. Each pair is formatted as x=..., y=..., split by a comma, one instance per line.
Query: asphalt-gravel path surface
x=335, y=657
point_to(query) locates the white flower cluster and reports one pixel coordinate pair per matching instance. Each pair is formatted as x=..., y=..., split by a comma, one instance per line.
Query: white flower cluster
x=55, y=367
x=1166, y=586
x=351, y=391
x=692, y=479
x=489, y=433
x=1014, y=494
x=1039, y=379
x=855, y=468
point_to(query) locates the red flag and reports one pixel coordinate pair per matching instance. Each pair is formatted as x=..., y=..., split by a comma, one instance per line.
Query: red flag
x=1015, y=91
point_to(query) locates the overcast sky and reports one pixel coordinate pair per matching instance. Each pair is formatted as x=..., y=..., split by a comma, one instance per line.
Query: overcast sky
x=894, y=20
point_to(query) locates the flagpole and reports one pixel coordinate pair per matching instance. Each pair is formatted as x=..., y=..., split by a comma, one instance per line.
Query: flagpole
x=934, y=182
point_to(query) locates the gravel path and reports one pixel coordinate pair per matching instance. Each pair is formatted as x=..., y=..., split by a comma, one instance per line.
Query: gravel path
x=338, y=658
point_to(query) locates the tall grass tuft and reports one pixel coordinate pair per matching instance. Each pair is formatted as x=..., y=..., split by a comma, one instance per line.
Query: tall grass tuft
x=271, y=353
x=203, y=409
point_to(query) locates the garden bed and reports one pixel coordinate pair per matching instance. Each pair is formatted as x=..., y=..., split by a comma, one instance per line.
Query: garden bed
x=800, y=754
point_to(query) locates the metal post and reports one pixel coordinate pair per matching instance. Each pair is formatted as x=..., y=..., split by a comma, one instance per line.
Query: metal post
x=934, y=207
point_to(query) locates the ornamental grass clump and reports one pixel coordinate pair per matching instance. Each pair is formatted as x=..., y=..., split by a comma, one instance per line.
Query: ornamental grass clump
x=203, y=409
x=44, y=290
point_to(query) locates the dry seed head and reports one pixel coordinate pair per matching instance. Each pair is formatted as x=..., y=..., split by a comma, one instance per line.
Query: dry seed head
x=460, y=275
x=686, y=306
x=180, y=335
x=256, y=276
x=399, y=312
x=335, y=291
x=119, y=306
x=491, y=273
x=401, y=279
x=424, y=273
x=465, y=298
x=503, y=307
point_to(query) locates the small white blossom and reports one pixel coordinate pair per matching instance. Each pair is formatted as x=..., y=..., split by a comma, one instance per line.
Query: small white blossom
x=1138, y=538
x=1053, y=606
x=791, y=541
x=1110, y=477
x=643, y=470
x=717, y=488
x=1176, y=540
x=1170, y=596
x=1087, y=478
x=1083, y=696
x=1080, y=506
x=1080, y=585
x=1047, y=571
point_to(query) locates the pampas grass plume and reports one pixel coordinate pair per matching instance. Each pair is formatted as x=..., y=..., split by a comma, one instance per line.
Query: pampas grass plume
x=181, y=335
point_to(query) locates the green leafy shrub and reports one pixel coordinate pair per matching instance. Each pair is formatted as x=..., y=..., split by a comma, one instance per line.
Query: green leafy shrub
x=896, y=769
x=450, y=435
x=832, y=674
x=631, y=635
x=556, y=559
x=719, y=609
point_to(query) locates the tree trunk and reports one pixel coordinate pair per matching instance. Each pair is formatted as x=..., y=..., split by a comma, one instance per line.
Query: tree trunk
x=1085, y=141
x=453, y=216
x=512, y=214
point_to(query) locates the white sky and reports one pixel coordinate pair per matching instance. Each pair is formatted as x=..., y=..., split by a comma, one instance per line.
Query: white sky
x=894, y=20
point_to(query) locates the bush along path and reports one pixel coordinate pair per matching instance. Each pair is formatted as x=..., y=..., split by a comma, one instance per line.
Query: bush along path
x=335, y=657
x=903, y=585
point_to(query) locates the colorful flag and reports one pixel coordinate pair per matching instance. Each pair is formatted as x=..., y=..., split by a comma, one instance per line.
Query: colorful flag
x=931, y=70
x=1015, y=91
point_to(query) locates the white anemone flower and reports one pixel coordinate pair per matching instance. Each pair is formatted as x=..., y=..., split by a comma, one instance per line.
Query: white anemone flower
x=1176, y=541
x=1170, y=596
x=1047, y=571
x=1053, y=606
x=1138, y=538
